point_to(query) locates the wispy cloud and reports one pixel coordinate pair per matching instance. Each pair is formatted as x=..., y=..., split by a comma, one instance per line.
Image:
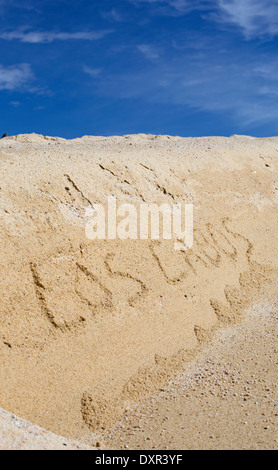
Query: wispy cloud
x=15, y=104
x=17, y=77
x=37, y=37
x=210, y=82
x=92, y=72
x=268, y=70
x=256, y=18
x=112, y=15
x=172, y=7
x=148, y=51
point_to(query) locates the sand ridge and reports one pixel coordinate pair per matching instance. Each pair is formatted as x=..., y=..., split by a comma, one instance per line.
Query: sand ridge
x=88, y=327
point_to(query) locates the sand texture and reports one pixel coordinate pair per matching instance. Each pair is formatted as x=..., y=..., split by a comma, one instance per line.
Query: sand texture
x=88, y=328
x=225, y=399
x=17, y=434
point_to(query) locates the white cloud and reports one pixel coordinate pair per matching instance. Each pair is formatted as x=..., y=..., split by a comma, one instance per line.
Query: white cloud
x=92, y=72
x=183, y=6
x=268, y=70
x=15, y=104
x=36, y=37
x=16, y=77
x=112, y=15
x=242, y=90
x=148, y=51
x=256, y=18
x=174, y=7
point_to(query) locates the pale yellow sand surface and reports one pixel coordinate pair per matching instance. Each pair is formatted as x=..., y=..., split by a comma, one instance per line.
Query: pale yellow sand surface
x=225, y=399
x=89, y=328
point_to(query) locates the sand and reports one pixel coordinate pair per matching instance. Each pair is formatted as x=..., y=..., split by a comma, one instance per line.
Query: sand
x=89, y=329
x=17, y=434
x=225, y=399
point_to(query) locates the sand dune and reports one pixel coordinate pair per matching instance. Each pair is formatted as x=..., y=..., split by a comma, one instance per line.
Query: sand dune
x=87, y=327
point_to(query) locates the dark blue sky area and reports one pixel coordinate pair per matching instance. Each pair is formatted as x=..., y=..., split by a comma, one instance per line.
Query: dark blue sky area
x=179, y=67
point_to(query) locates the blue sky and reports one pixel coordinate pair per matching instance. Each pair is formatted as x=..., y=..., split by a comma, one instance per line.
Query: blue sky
x=102, y=67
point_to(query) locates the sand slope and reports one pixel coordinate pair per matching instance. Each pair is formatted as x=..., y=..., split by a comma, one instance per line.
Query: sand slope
x=17, y=434
x=224, y=399
x=87, y=327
